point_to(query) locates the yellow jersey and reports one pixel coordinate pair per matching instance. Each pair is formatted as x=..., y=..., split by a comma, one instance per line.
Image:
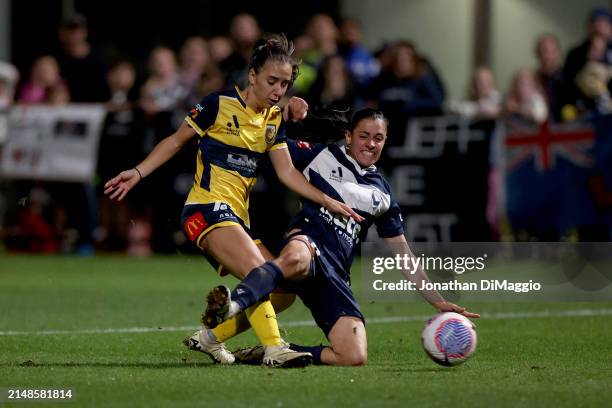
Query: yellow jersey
x=233, y=139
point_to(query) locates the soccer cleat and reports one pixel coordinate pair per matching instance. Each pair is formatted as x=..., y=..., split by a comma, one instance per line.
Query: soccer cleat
x=200, y=341
x=218, y=303
x=250, y=355
x=282, y=356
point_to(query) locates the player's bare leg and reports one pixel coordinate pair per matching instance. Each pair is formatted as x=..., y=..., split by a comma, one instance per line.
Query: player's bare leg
x=295, y=258
x=349, y=344
x=233, y=247
x=293, y=263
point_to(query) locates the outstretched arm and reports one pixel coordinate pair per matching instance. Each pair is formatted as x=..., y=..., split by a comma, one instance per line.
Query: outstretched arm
x=399, y=245
x=120, y=185
x=294, y=180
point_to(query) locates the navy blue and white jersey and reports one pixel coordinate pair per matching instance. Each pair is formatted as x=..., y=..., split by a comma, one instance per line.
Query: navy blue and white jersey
x=338, y=175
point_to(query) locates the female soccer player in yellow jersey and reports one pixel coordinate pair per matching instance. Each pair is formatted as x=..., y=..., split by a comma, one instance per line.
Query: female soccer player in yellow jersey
x=235, y=129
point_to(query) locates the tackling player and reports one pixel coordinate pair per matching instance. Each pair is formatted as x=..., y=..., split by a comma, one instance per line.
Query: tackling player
x=236, y=128
x=320, y=247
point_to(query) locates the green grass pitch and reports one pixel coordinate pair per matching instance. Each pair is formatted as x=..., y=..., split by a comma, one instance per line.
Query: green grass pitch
x=74, y=323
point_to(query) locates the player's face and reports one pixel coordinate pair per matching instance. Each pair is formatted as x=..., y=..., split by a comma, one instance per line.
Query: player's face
x=366, y=141
x=271, y=82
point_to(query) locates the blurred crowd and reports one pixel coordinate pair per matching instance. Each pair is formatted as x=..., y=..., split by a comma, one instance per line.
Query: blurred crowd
x=336, y=70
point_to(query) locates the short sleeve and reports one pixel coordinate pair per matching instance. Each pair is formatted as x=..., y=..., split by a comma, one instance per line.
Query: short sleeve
x=302, y=153
x=280, y=138
x=203, y=114
x=390, y=224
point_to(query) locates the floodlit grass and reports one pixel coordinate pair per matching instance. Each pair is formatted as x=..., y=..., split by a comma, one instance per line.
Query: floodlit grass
x=531, y=361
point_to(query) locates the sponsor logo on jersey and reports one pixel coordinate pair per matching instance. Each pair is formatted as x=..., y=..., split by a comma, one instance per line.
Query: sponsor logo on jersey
x=194, y=226
x=346, y=227
x=241, y=162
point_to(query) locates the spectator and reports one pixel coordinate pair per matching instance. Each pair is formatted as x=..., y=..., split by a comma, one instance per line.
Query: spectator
x=599, y=25
x=524, y=101
x=333, y=87
x=81, y=67
x=194, y=60
x=324, y=34
x=8, y=80
x=162, y=92
x=308, y=74
x=198, y=73
x=594, y=83
x=361, y=64
x=244, y=32
x=549, y=75
x=220, y=48
x=408, y=89
x=484, y=101
x=162, y=99
x=45, y=84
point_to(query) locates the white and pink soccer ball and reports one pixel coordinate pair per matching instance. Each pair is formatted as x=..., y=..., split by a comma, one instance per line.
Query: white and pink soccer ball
x=449, y=338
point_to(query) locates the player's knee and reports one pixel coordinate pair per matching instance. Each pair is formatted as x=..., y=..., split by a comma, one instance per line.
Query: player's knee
x=294, y=264
x=354, y=358
x=358, y=358
x=351, y=355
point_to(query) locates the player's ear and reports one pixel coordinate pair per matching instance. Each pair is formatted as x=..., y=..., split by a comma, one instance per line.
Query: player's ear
x=252, y=75
x=348, y=138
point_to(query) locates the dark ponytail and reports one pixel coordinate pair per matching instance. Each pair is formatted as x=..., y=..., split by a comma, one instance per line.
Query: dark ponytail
x=274, y=47
x=325, y=125
x=322, y=125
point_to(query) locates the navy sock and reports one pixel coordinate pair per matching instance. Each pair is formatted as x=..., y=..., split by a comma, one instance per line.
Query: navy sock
x=258, y=284
x=314, y=350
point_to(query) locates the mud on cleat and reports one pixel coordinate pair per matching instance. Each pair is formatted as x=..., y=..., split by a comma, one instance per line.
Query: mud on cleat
x=218, y=302
x=201, y=341
x=283, y=357
x=250, y=355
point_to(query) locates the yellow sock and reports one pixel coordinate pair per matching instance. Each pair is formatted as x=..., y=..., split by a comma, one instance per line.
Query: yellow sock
x=263, y=321
x=231, y=327
x=240, y=323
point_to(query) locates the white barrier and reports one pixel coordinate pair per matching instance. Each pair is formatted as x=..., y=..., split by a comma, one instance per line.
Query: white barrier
x=52, y=143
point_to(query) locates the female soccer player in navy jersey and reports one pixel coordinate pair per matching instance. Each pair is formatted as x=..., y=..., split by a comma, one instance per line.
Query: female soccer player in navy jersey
x=320, y=247
x=236, y=128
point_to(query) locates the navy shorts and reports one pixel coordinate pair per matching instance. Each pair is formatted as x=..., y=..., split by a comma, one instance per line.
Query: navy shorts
x=326, y=291
x=197, y=220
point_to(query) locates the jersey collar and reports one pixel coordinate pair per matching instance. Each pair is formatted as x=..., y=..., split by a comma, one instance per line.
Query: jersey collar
x=247, y=107
x=361, y=170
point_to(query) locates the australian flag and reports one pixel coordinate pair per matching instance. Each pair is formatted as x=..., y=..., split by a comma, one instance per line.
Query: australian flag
x=558, y=177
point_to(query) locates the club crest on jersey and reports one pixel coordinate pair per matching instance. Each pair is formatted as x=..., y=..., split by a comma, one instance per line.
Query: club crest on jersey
x=270, y=133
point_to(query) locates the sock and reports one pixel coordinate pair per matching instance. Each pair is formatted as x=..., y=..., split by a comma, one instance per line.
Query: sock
x=263, y=321
x=240, y=322
x=231, y=327
x=314, y=350
x=259, y=283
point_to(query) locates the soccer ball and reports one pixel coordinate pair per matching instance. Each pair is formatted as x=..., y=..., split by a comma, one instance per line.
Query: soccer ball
x=449, y=338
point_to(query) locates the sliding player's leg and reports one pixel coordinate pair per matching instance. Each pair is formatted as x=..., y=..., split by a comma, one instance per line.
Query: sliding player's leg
x=232, y=247
x=348, y=343
x=294, y=263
